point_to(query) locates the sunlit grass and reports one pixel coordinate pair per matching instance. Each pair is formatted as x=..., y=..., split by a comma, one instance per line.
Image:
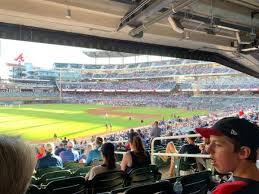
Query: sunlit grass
x=39, y=122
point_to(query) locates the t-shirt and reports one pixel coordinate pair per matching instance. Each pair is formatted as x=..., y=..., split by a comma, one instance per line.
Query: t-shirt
x=238, y=186
x=186, y=163
x=93, y=155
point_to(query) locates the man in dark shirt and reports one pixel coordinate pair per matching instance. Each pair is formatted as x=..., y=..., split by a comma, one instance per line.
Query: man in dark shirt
x=187, y=165
x=155, y=132
x=233, y=146
x=50, y=160
x=60, y=149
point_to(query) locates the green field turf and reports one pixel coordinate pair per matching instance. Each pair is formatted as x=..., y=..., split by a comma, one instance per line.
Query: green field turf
x=39, y=122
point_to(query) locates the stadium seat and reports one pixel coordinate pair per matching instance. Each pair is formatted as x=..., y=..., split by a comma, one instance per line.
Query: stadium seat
x=34, y=180
x=144, y=175
x=73, y=165
x=71, y=185
x=82, y=171
x=42, y=171
x=106, y=182
x=195, y=183
x=164, y=187
x=33, y=189
x=51, y=176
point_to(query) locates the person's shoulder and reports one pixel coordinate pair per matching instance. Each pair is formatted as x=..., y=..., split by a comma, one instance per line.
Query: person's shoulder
x=230, y=187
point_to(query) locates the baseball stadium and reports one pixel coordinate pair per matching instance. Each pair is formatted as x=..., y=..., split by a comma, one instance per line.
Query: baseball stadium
x=129, y=96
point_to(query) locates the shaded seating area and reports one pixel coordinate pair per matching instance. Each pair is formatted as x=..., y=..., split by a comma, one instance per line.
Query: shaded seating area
x=42, y=171
x=163, y=186
x=198, y=183
x=82, y=171
x=144, y=175
x=195, y=183
x=47, y=177
x=70, y=185
x=143, y=180
x=106, y=182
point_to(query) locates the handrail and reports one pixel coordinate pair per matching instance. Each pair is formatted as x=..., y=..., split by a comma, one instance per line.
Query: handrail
x=174, y=154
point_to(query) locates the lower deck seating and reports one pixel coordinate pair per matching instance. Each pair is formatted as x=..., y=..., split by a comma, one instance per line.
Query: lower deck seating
x=142, y=181
x=71, y=185
x=106, y=182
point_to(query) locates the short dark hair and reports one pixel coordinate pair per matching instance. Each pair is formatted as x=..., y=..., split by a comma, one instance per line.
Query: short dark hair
x=237, y=147
x=191, y=133
x=99, y=141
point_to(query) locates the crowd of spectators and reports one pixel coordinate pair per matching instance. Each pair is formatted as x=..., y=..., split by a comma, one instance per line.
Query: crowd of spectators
x=209, y=102
x=122, y=85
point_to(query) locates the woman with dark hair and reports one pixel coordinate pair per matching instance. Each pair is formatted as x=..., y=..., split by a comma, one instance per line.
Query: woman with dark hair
x=109, y=162
x=137, y=157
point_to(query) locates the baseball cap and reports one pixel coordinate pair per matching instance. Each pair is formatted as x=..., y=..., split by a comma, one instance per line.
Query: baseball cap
x=240, y=130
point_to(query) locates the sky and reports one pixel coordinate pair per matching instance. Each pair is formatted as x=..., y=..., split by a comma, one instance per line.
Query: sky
x=45, y=55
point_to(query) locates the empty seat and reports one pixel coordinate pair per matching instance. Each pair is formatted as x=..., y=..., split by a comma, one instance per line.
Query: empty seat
x=164, y=187
x=73, y=166
x=147, y=174
x=106, y=182
x=51, y=176
x=71, y=185
x=195, y=183
x=33, y=189
x=82, y=171
x=42, y=171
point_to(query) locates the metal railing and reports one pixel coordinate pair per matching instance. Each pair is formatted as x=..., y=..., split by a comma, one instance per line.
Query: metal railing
x=174, y=154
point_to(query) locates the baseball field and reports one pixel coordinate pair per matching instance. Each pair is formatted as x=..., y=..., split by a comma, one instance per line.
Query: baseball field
x=39, y=122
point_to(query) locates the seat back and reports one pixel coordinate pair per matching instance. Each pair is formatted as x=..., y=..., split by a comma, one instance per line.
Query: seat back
x=106, y=182
x=164, y=187
x=82, y=171
x=195, y=183
x=51, y=176
x=71, y=185
x=42, y=171
x=33, y=189
x=73, y=166
x=144, y=175
x=198, y=183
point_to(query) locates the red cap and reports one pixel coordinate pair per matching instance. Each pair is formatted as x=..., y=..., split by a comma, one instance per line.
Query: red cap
x=207, y=132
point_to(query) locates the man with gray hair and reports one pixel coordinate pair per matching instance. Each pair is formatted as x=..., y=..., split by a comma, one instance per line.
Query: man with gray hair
x=17, y=163
x=70, y=155
x=50, y=159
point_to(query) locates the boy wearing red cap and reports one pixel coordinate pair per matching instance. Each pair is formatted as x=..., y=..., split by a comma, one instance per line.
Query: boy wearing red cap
x=233, y=146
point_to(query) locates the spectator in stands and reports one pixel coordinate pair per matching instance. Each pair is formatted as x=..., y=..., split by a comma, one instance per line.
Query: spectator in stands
x=120, y=147
x=188, y=165
x=155, y=132
x=69, y=155
x=50, y=159
x=95, y=154
x=137, y=157
x=17, y=163
x=65, y=141
x=109, y=163
x=40, y=152
x=233, y=146
x=60, y=149
x=85, y=154
x=170, y=148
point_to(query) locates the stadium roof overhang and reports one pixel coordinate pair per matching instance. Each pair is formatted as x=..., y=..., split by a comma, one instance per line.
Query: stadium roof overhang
x=224, y=31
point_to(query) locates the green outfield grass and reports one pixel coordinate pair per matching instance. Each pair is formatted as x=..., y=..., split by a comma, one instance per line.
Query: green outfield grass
x=39, y=122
